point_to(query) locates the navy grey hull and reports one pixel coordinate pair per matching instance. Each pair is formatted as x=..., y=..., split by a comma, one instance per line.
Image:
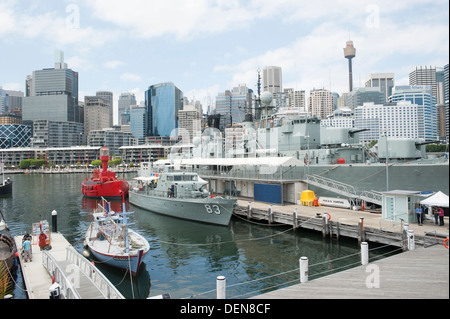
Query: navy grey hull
x=214, y=210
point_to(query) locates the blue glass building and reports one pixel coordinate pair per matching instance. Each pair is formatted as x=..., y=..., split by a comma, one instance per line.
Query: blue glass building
x=14, y=135
x=138, y=123
x=163, y=101
x=422, y=96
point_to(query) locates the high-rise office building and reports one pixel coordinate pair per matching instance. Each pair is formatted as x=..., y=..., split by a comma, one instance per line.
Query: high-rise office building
x=422, y=96
x=190, y=121
x=108, y=98
x=424, y=75
x=320, y=103
x=234, y=105
x=96, y=114
x=138, y=122
x=446, y=98
x=52, y=94
x=272, y=79
x=359, y=96
x=125, y=101
x=163, y=101
x=383, y=81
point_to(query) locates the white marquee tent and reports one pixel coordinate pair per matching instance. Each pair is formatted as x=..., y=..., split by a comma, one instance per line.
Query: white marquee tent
x=438, y=199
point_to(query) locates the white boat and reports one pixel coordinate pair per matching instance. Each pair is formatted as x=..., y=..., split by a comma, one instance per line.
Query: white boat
x=181, y=195
x=112, y=242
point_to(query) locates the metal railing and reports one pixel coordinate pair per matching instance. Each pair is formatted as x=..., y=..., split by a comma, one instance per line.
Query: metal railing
x=68, y=291
x=108, y=290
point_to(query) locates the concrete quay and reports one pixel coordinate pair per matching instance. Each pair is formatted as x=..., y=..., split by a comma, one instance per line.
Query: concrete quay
x=362, y=225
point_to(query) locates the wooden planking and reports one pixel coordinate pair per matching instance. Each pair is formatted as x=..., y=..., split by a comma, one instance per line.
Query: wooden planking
x=422, y=273
x=38, y=281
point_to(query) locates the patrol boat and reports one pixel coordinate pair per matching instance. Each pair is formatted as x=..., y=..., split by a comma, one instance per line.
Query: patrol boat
x=181, y=195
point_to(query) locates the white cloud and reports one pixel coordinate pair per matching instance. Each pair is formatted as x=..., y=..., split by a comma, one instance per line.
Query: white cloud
x=130, y=77
x=113, y=64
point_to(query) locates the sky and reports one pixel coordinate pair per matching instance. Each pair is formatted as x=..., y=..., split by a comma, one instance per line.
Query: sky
x=209, y=46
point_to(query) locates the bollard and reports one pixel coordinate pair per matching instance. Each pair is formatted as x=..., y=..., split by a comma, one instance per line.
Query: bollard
x=364, y=253
x=294, y=223
x=221, y=284
x=54, y=221
x=411, y=242
x=303, y=269
x=270, y=214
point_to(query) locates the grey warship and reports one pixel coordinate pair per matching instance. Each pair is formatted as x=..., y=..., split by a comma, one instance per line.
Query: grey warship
x=181, y=195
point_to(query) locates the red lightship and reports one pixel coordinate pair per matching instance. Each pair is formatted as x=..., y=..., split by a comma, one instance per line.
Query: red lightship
x=104, y=183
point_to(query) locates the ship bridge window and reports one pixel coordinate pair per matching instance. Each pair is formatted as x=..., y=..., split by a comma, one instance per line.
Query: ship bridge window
x=170, y=178
x=190, y=178
x=177, y=178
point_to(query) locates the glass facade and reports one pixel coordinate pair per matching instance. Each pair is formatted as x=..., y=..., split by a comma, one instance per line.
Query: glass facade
x=15, y=135
x=163, y=101
x=422, y=96
x=138, y=126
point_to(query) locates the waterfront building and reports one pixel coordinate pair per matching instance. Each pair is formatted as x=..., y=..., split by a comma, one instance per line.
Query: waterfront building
x=422, y=96
x=320, y=103
x=14, y=135
x=112, y=139
x=163, y=101
x=402, y=119
x=384, y=81
x=56, y=155
x=138, y=122
x=108, y=98
x=125, y=101
x=52, y=94
x=144, y=153
x=56, y=134
x=233, y=105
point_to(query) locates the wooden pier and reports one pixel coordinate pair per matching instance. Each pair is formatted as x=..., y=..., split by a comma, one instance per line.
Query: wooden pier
x=336, y=222
x=422, y=273
x=77, y=277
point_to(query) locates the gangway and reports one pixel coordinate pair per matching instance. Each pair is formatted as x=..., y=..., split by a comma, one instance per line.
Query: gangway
x=79, y=278
x=343, y=189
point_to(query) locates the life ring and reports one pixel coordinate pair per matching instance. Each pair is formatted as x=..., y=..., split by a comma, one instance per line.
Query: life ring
x=446, y=243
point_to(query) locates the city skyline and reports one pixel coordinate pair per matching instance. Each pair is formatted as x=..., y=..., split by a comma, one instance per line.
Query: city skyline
x=207, y=47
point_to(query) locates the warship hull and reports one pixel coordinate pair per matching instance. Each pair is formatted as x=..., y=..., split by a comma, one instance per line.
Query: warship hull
x=209, y=210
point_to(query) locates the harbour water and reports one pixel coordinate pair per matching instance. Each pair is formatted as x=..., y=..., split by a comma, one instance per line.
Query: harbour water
x=185, y=257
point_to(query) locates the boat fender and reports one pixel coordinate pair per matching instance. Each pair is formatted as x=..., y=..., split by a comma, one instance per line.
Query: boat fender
x=446, y=243
x=86, y=253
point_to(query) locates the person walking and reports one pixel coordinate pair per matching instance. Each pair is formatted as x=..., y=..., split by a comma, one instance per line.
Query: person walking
x=26, y=247
x=42, y=240
x=441, y=216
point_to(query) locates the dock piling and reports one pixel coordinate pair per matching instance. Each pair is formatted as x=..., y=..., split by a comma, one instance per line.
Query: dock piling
x=54, y=221
x=411, y=241
x=364, y=253
x=221, y=283
x=303, y=269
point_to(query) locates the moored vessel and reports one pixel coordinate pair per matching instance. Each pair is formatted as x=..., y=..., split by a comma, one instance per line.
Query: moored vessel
x=111, y=241
x=181, y=195
x=104, y=183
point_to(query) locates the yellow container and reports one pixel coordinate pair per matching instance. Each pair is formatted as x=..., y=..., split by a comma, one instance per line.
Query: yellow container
x=307, y=198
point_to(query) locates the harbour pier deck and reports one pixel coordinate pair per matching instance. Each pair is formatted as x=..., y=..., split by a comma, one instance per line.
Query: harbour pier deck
x=422, y=273
x=362, y=225
x=79, y=279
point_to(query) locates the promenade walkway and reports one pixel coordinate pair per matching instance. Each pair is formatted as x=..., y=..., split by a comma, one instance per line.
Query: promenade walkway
x=422, y=273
